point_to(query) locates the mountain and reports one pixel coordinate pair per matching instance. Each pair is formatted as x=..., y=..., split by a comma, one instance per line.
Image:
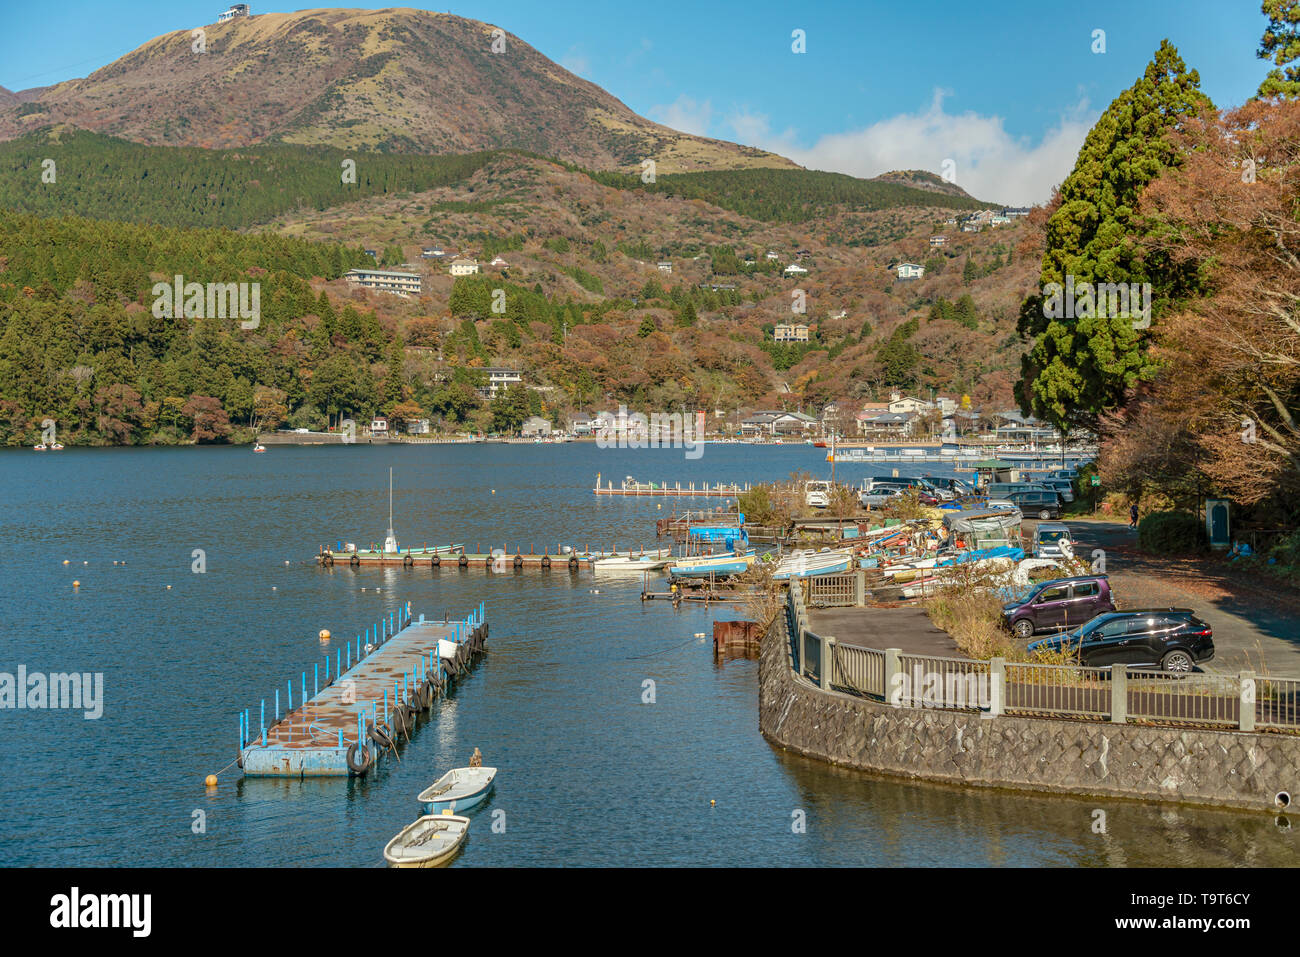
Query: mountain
x=394, y=80
x=922, y=179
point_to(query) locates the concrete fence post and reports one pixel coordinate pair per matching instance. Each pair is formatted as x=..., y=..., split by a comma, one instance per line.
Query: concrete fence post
x=892, y=667
x=1119, y=694
x=803, y=663
x=860, y=587
x=828, y=661
x=1246, y=701
x=997, y=686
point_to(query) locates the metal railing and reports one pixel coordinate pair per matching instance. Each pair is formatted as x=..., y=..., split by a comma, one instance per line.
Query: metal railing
x=1241, y=702
x=860, y=670
x=1062, y=690
x=1277, y=703
x=1187, y=699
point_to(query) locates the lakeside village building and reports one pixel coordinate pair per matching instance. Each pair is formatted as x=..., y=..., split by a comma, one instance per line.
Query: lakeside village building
x=395, y=282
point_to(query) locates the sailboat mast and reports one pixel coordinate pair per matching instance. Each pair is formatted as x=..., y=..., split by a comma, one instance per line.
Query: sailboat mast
x=390, y=501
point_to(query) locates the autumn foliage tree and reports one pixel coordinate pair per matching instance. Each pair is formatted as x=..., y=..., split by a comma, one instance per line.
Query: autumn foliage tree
x=1226, y=401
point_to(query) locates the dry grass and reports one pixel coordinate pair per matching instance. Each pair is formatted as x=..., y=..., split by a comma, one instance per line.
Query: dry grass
x=968, y=609
x=767, y=599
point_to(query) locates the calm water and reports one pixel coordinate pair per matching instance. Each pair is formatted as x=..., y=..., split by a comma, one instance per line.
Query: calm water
x=589, y=774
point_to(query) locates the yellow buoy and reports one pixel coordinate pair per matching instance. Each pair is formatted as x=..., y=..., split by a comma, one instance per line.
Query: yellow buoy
x=324, y=634
x=169, y=587
x=713, y=804
x=76, y=584
x=210, y=780
x=66, y=562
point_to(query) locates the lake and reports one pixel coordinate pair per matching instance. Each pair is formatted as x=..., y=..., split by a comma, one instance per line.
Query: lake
x=590, y=774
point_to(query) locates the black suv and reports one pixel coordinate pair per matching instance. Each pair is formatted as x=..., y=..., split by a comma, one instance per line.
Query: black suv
x=1170, y=638
x=1045, y=504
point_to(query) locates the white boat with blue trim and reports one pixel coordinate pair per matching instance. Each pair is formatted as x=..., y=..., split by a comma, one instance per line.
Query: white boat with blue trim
x=458, y=790
x=715, y=565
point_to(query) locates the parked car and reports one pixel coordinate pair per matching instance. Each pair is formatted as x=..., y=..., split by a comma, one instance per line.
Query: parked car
x=1002, y=503
x=877, y=494
x=1003, y=489
x=817, y=494
x=1052, y=540
x=1044, y=504
x=956, y=486
x=1063, y=487
x=1068, y=474
x=1061, y=603
x=1173, y=639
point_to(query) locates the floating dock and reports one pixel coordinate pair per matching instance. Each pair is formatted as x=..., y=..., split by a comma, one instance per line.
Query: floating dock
x=365, y=697
x=663, y=489
x=500, y=560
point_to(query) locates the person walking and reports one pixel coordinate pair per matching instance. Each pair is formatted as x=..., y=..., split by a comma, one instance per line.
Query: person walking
x=1133, y=515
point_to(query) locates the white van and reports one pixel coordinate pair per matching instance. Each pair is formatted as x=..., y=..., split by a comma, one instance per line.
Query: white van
x=817, y=494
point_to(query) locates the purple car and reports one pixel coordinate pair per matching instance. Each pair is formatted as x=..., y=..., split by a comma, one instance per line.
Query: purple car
x=1059, y=604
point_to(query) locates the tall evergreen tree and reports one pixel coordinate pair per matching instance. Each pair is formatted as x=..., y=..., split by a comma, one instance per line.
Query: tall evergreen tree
x=1281, y=44
x=1078, y=367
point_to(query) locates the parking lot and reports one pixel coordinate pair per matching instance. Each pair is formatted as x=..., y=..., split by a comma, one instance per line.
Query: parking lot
x=1256, y=622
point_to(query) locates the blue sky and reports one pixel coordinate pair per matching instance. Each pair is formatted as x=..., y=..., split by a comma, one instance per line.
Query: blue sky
x=1002, y=92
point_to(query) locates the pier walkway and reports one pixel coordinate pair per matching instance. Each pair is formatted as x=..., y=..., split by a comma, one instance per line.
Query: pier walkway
x=371, y=690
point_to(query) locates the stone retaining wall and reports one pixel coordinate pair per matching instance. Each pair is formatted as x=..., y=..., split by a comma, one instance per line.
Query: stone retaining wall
x=1221, y=768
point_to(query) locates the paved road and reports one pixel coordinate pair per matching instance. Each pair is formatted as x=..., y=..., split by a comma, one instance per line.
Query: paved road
x=907, y=627
x=1256, y=625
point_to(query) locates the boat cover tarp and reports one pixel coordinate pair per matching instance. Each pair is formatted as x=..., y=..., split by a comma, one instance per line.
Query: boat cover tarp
x=989, y=520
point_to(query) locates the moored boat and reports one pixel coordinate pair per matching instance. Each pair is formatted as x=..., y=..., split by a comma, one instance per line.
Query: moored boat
x=809, y=563
x=718, y=565
x=430, y=841
x=633, y=564
x=458, y=790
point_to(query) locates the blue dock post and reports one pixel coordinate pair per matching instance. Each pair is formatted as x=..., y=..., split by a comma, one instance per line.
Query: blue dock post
x=338, y=659
x=289, y=699
x=349, y=655
x=404, y=691
x=263, y=725
x=241, y=731
x=315, y=677
x=277, y=704
x=304, y=689
x=385, y=706
x=340, y=739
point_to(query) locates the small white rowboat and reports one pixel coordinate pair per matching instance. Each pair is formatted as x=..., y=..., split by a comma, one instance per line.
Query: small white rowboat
x=432, y=841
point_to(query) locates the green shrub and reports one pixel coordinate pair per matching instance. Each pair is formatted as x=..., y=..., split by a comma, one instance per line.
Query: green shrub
x=1167, y=533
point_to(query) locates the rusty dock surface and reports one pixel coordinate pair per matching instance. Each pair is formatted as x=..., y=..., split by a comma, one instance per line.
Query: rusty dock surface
x=365, y=698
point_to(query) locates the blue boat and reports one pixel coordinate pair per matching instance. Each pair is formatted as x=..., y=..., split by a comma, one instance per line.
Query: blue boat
x=716, y=565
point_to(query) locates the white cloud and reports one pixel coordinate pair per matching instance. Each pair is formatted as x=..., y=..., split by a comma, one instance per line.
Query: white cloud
x=989, y=162
x=685, y=114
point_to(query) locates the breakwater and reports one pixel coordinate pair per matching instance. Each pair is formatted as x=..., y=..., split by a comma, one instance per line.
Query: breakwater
x=1176, y=764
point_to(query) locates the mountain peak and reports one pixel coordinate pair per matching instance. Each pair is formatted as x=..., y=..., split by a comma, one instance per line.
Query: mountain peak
x=922, y=179
x=391, y=80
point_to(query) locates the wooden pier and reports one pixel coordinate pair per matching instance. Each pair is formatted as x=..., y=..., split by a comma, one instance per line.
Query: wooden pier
x=365, y=698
